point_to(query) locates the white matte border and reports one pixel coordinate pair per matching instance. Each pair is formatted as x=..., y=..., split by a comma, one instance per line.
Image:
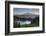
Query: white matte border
x=27, y=28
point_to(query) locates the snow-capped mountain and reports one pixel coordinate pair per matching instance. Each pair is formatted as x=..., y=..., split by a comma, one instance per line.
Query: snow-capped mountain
x=27, y=15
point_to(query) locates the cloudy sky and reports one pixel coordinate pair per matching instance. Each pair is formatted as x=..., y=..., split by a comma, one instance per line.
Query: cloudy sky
x=20, y=11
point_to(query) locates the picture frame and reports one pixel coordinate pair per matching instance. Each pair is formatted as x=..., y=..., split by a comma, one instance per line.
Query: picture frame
x=17, y=5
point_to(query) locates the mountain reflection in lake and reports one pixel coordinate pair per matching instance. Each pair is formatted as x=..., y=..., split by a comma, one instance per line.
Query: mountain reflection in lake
x=23, y=22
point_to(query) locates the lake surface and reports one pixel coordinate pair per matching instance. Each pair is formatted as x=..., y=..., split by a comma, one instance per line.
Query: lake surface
x=23, y=22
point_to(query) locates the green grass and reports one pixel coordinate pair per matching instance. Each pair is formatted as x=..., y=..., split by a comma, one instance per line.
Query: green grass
x=35, y=22
x=26, y=25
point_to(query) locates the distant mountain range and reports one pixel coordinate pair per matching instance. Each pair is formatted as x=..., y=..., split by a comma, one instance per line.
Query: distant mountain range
x=27, y=15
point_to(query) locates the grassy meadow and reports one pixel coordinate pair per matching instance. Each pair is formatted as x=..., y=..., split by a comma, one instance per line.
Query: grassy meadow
x=34, y=22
